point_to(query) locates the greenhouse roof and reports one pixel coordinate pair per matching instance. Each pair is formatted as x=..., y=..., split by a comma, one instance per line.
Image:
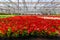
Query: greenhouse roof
x=28, y=6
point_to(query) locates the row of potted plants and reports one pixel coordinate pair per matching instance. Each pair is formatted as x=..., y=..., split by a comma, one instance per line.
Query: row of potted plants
x=28, y=25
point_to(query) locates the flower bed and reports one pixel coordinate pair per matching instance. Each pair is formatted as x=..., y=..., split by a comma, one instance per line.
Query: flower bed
x=22, y=26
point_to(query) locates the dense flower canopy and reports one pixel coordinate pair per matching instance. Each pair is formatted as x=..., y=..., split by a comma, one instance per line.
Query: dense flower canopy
x=29, y=24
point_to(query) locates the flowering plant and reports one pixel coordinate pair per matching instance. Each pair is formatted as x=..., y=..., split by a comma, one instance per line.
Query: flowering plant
x=28, y=25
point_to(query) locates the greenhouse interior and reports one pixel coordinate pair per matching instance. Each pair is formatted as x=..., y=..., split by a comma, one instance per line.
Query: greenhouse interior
x=30, y=19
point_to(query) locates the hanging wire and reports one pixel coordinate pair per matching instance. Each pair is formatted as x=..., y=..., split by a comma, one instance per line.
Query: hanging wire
x=46, y=8
x=25, y=6
x=54, y=5
x=7, y=5
x=36, y=4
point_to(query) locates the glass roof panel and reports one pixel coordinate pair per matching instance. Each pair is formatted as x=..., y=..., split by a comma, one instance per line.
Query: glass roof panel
x=27, y=5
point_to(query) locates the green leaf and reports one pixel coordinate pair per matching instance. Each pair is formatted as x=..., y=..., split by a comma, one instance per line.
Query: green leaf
x=24, y=33
x=9, y=32
x=35, y=33
x=32, y=33
x=15, y=35
x=1, y=35
x=53, y=34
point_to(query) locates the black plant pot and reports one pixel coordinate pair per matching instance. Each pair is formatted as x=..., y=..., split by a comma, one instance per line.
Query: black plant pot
x=31, y=38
